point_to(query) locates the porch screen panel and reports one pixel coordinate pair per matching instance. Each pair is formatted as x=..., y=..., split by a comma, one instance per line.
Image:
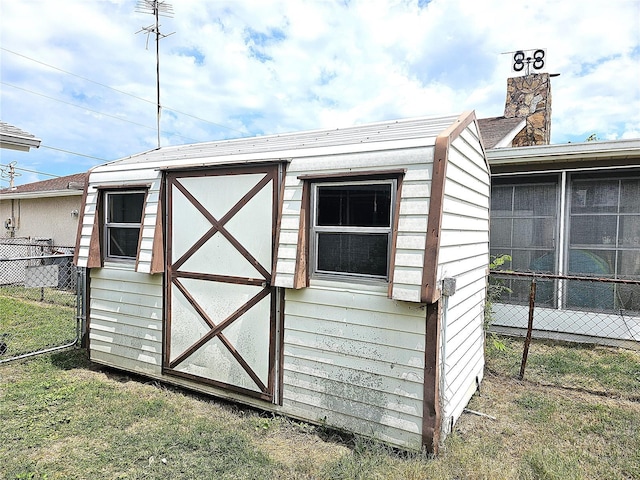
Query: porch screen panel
x=524, y=225
x=604, y=241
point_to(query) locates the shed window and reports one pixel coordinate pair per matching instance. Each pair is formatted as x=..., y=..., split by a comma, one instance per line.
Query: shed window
x=123, y=220
x=351, y=231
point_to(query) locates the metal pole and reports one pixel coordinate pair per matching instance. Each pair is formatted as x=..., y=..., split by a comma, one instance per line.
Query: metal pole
x=527, y=341
x=156, y=12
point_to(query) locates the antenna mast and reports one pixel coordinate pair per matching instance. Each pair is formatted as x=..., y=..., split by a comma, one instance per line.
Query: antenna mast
x=157, y=8
x=9, y=171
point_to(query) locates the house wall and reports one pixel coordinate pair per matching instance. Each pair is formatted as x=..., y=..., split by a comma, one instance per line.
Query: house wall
x=464, y=255
x=43, y=218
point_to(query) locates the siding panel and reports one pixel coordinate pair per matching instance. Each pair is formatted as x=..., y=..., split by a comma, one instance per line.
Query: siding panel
x=125, y=323
x=355, y=360
x=464, y=255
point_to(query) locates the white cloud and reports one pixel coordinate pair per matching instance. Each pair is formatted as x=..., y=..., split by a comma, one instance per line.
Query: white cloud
x=258, y=67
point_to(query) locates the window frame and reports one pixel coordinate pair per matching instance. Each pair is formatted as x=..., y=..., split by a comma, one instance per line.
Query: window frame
x=106, y=225
x=315, y=230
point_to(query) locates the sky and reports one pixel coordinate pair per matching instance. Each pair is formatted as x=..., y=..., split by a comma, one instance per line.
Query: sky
x=81, y=74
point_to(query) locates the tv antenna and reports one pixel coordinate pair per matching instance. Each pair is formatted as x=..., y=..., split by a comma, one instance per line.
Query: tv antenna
x=528, y=59
x=157, y=8
x=9, y=171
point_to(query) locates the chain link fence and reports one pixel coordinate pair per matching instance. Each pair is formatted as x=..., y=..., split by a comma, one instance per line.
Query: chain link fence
x=41, y=293
x=604, y=311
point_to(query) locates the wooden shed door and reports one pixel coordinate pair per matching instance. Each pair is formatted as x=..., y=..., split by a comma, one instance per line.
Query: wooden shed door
x=221, y=308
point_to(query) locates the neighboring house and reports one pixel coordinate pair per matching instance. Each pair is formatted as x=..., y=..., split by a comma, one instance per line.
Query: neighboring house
x=335, y=276
x=13, y=138
x=43, y=210
x=571, y=209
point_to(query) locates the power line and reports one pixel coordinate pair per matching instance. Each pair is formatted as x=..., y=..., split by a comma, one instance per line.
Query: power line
x=94, y=111
x=9, y=171
x=12, y=164
x=72, y=153
x=119, y=91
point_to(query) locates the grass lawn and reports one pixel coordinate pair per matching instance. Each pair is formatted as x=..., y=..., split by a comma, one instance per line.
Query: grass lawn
x=575, y=416
x=27, y=326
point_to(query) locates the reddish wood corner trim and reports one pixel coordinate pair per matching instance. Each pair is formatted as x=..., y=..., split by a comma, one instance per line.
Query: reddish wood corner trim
x=301, y=271
x=429, y=290
x=431, y=413
x=280, y=389
x=94, y=259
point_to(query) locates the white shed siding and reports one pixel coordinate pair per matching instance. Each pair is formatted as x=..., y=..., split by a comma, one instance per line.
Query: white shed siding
x=107, y=176
x=125, y=328
x=412, y=222
x=463, y=255
x=354, y=359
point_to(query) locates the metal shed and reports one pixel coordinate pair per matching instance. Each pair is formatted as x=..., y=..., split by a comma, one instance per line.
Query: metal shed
x=333, y=276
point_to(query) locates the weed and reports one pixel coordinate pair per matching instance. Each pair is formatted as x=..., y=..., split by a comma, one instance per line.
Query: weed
x=495, y=290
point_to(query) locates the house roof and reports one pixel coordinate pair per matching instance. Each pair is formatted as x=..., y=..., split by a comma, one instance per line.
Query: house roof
x=61, y=186
x=599, y=154
x=499, y=132
x=14, y=138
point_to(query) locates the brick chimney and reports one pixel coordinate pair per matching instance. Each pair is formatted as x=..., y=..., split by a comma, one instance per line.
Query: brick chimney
x=530, y=97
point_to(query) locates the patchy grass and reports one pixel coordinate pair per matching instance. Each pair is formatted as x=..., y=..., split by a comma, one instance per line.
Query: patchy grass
x=27, y=326
x=42, y=295
x=63, y=417
x=572, y=366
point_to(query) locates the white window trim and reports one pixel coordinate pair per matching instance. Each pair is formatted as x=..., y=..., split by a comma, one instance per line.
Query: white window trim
x=315, y=230
x=107, y=245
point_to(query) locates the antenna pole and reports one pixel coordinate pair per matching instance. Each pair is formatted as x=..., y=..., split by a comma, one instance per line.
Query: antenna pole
x=157, y=71
x=12, y=175
x=156, y=8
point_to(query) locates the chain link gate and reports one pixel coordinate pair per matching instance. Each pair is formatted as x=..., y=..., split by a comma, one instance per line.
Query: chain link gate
x=41, y=299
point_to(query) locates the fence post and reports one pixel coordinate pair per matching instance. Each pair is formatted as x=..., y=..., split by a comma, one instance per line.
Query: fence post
x=527, y=341
x=81, y=306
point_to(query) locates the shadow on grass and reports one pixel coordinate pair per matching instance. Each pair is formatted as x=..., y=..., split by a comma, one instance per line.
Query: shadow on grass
x=70, y=359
